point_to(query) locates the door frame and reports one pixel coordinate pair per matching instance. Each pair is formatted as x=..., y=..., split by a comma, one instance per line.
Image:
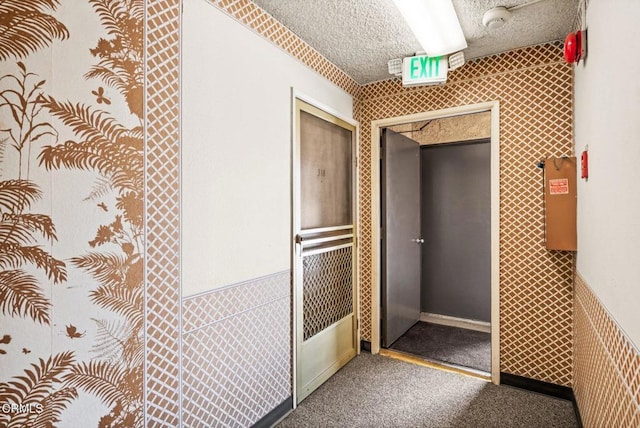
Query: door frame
x=494, y=108
x=295, y=225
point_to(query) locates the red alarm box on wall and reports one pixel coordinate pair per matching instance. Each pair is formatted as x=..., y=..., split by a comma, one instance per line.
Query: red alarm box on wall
x=574, y=47
x=560, y=200
x=584, y=165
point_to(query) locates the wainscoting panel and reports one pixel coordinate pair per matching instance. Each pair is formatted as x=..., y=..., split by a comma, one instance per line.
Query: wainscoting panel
x=237, y=352
x=607, y=365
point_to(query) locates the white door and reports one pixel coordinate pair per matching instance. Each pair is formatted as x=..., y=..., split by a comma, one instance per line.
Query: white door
x=325, y=247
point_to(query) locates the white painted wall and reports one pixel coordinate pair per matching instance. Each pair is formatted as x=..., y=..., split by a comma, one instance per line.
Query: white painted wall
x=607, y=119
x=236, y=149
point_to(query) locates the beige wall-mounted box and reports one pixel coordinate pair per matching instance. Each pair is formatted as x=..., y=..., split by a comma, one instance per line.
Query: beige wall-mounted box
x=560, y=200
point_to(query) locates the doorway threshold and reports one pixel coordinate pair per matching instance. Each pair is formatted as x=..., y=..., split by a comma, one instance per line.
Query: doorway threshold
x=438, y=365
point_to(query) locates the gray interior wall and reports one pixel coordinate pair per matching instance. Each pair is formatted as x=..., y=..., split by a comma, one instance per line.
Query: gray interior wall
x=456, y=226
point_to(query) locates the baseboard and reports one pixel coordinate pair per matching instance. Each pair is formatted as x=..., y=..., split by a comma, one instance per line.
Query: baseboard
x=365, y=346
x=546, y=388
x=277, y=414
x=482, y=326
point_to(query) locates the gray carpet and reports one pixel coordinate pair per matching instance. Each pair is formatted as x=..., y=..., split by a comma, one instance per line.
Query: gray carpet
x=376, y=391
x=452, y=345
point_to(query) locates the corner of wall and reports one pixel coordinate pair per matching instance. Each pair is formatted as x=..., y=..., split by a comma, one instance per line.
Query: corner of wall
x=607, y=365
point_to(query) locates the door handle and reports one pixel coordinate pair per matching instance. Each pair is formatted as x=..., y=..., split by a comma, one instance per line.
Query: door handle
x=298, y=244
x=418, y=241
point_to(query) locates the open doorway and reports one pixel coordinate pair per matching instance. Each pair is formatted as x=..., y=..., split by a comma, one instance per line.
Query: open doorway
x=446, y=178
x=442, y=305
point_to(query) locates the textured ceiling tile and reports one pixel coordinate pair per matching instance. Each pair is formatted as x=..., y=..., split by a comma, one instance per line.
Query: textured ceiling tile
x=361, y=36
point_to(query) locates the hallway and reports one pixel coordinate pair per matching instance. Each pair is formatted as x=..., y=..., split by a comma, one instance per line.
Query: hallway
x=377, y=391
x=148, y=212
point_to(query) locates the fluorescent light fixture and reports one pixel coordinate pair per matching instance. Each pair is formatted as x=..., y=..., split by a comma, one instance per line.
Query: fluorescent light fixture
x=435, y=25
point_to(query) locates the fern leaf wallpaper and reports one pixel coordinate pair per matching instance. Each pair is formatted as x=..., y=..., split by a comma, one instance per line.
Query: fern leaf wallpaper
x=71, y=213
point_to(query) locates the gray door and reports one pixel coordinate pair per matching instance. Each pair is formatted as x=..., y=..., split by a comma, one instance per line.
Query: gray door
x=401, y=241
x=456, y=225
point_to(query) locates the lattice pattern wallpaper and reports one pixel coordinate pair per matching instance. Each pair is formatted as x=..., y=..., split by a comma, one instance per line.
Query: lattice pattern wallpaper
x=162, y=213
x=607, y=369
x=237, y=349
x=534, y=87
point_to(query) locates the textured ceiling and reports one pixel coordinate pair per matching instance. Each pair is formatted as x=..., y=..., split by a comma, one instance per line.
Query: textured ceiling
x=361, y=36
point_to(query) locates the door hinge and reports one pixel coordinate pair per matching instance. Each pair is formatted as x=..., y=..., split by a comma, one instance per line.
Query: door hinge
x=381, y=152
x=381, y=234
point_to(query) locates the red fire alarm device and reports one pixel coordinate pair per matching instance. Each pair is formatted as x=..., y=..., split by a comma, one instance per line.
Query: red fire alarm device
x=574, y=47
x=584, y=165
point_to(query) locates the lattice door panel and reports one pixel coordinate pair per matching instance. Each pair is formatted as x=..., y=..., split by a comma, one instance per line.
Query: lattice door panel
x=327, y=289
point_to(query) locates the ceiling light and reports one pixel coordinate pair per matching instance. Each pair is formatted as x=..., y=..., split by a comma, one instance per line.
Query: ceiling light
x=435, y=25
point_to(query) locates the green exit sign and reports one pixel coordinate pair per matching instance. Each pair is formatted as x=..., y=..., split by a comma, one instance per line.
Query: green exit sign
x=424, y=70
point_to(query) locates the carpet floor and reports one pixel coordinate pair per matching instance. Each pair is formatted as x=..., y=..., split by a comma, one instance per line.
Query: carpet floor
x=377, y=391
x=459, y=346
